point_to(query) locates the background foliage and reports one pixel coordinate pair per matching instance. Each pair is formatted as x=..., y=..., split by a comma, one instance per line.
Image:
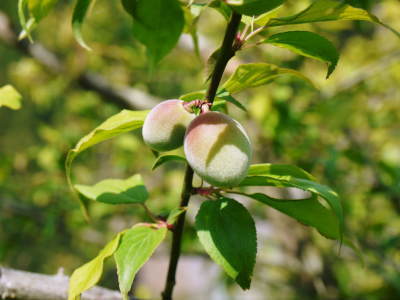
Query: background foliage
x=346, y=133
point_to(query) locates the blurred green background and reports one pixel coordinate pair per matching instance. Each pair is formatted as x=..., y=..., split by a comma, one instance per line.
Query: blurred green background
x=346, y=133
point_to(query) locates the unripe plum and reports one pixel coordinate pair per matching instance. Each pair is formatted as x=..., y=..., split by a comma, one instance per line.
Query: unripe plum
x=165, y=125
x=218, y=149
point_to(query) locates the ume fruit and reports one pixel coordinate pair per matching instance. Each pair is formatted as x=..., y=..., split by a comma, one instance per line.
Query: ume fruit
x=165, y=125
x=218, y=149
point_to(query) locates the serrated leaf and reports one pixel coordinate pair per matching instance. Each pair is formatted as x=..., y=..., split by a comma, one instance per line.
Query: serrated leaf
x=274, y=176
x=10, y=97
x=308, y=44
x=124, y=121
x=116, y=191
x=257, y=74
x=157, y=24
x=136, y=246
x=253, y=7
x=166, y=158
x=78, y=17
x=40, y=8
x=228, y=234
x=328, y=10
x=89, y=274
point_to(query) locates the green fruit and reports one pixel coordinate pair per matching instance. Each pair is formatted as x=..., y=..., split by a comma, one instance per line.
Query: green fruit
x=165, y=125
x=218, y=149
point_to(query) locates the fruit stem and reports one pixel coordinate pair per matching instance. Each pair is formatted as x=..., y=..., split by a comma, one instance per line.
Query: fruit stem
x=227, y=52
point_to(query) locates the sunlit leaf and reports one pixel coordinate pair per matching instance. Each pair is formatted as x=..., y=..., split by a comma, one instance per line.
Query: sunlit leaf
x=222, y=94
x=136, y=247
x=328, y=10
x=10, y=97
x=253, y=7
x=116, y=191
x=228, y=234
x=89, y=274
x=166, y=158
x=276, y=176
x=257, y=74
x=124, y=121
x=174, y=214
x=308, y=44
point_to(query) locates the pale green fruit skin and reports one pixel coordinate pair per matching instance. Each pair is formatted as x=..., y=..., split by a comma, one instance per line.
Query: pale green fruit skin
x=165, y=125
x=218, y=149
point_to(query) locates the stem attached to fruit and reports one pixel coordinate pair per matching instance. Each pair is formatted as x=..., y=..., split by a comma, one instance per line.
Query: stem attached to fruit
x=227, y=52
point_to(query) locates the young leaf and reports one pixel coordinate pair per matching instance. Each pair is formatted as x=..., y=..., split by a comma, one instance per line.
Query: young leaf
x=22, y=19
x=256, y=74
x=40, y=8
x=193, y=96
x=124, y=121
x=328, y=10
x=79, y=14
x=279, y=170
x=116, y=191
x=174, y=214
x=136, y=247
x=157, y=24
x=222, y=94
x=222, y=8
x=275, y=177
x=165, y=158
x=89, y=274
x=308, y=44
x=228, y=234
x=10, y=97
x=253, y=7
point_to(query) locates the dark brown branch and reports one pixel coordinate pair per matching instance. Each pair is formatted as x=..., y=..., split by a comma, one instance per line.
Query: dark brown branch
x=227, y=52
x=123, y=96
x=15, y=284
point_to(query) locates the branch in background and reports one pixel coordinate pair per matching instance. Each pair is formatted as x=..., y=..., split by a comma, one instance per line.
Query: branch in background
x=16, y=284
x=125, y=97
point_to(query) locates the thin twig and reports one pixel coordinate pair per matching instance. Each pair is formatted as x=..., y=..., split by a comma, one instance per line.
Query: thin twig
x=227, y=52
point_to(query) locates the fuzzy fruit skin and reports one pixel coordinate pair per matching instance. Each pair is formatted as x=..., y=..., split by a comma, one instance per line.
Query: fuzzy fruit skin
x=218, y=149
x=165, y=125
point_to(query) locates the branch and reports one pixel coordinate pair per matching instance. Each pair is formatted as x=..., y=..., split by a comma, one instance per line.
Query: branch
x=227, y=52
x=15, y=284
x=123, y=96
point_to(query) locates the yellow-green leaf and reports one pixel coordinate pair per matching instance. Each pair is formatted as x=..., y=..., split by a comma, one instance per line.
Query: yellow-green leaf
x=10, y=97
x=257, y=74
x=89, y=274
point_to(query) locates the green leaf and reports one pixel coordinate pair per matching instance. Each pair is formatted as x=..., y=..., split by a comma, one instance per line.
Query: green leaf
x=124, y=121
x=157, y=24
x=79, y=14
x=228, y=234
x=116, y=191
x=275, y=176
x=308, y=44
x=310, y=212
x=253, y=7
x=279, y=170
x=22, y=19
x=40, y=8
x=198, y=95
x=89, y=274
x=166, y=158
x=174, y=214
x=222, y=94
x=256, y=74
x=10, y=97
x=328, y=10
x=192, y=16
x=222, y=8
x=136, y=247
